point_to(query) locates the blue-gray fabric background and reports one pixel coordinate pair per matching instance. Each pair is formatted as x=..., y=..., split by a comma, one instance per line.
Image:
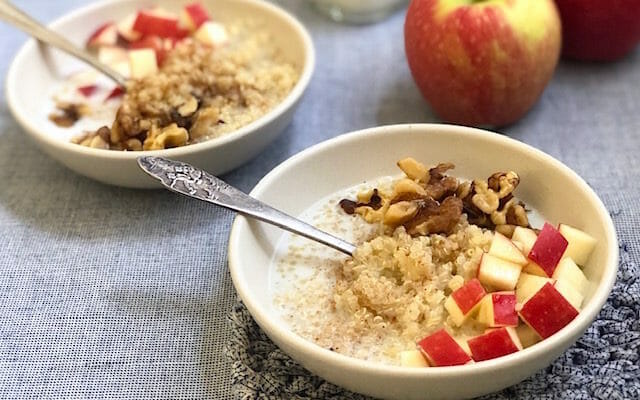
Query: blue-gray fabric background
x=115, y=293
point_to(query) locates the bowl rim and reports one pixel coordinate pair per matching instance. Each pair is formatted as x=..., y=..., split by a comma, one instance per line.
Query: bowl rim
x=74, y=16
x=579, y=324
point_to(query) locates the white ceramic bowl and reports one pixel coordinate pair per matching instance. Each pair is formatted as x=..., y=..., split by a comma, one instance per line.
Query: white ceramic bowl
x=547, y=185
x=36, y=71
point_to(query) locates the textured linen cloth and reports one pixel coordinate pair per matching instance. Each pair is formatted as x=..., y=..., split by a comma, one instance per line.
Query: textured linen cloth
x=110, y=293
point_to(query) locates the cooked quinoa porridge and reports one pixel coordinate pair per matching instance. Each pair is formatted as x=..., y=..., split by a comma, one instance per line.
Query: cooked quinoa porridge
x=408, y=260
x=199, y=91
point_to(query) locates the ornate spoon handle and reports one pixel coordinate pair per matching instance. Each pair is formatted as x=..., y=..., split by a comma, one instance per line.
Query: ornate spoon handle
x=17, y=18
x=193, y=182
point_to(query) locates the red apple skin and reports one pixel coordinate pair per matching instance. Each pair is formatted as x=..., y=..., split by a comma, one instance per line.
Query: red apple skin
x=469, y=295
x=493, y=344
x=547, y=311
x=88, y=90
x=91, y=42
x=442, y=350
x=198, y=14
x=149, y=24
x=115, y=93
x=473, y=66
x=548, y=249
x=504, y=309
x=599, y=30
x=154, y=43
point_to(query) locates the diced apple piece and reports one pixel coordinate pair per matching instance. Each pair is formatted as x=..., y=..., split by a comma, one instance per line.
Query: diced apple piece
x=462, y=342
x=105, y=35
x=527, y=237
x=125, y=28
x=142, y=63
x=413, y=358
x=88, y=90
x=494, y=343
x=528, y=337
x=463, y=301
x=548, y=249
x=123, y=67
x=570, y=293
x=547, y=311
x=115, y=93
x=156, y=43
x=111, y=55
x=212, y=34
x=534, y=269
x=498, y=309
x=568, y=271
x=193, y=15
x=498, y=273
x=441, y=350
x=158, y=23
x=503, y=247
x=528, y=285
x=580, y=246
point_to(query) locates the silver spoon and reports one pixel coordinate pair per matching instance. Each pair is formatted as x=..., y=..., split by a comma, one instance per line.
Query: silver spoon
x=9, y=13
x=190, y=181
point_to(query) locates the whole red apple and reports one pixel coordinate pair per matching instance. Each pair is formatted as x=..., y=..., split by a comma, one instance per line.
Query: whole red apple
x=599, y=30
x=482, y=62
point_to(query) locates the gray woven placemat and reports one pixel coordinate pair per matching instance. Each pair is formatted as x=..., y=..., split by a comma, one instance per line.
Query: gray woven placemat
x=603, y=364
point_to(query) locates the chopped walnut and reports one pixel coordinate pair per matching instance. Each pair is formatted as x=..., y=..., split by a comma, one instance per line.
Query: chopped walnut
x=170, y=136
x=428, y=201
x=434, y=217
x=189, y=107
x=68, y=114
x=503, y=183
x=484, y=198
x=373, y=201
x=507, y=230
x=517, y=215
x=499, y=217
x=440, y=185
x=400, y=212
x=491, y=204
x=413, y=169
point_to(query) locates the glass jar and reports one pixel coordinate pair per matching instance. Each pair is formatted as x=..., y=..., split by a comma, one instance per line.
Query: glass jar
x=358, y=11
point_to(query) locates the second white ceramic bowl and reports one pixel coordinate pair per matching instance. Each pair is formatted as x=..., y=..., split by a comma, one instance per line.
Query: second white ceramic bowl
x=547, y=185
x=37, y=70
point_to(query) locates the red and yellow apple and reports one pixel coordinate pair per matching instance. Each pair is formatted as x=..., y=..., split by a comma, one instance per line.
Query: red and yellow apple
x=494, y=343
x=441, y=350
x=463, y=301
x=481, y=62
x=599, y=30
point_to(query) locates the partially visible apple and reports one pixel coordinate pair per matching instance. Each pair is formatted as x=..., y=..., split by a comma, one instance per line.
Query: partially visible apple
x=212, y=34
x=441, y=350
x=503, y=247
x=105, y=35
x=581, y=244
x=494, y=343
x=497, y=273
x=528, y=337
x=125, y=28
x=412, y=358
x=528, y=285
x=548, y=249
x=142, y=63
x=193, y=15
x=547, y=311
x=498, y=309
x=482, y=62
x=599, y=30
x=464, y=300
x=88, y=90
